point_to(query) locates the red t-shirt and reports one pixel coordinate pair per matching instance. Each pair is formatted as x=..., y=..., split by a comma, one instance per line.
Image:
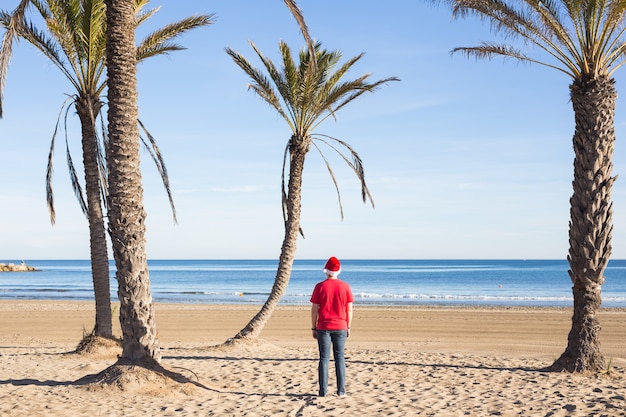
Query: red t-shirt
x=333, y=296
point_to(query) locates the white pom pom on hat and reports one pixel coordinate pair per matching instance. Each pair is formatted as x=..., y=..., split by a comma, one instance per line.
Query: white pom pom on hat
x=332, y=267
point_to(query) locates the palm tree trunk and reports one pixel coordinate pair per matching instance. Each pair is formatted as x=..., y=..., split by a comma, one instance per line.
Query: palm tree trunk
x=126, y=212
x=87, y=109
x=591, y=223
x=288, y=250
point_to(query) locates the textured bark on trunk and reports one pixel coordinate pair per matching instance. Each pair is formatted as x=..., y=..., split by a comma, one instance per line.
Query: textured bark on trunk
x=87, y=109
x=126, y=212
x=591, y=222
x=298, y=151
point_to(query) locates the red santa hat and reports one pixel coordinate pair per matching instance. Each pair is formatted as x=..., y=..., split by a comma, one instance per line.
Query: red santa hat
x=332, y=267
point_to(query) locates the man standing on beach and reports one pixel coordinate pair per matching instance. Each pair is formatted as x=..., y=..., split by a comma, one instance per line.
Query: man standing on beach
x=331, y=317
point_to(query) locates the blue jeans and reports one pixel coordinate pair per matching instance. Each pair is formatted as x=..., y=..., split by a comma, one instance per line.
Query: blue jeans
x=338, y=339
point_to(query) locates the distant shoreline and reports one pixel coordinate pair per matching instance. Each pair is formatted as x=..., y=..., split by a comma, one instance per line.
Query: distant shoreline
x=377, y=283
x=11, y=267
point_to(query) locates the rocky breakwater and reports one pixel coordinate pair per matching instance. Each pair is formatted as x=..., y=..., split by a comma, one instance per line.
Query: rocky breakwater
x=11, y=267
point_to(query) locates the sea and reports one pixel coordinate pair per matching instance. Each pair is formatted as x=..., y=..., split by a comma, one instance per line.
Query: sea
x=497, y=283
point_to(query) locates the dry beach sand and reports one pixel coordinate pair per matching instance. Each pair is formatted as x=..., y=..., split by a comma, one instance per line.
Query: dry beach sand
x=401, y=362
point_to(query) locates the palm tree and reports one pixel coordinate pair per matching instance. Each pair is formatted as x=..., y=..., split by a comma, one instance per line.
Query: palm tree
x=304, y=95
x=75, y=43
x=584, y=40
x=126, y=213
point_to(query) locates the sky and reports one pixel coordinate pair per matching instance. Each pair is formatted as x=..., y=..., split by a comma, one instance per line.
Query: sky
x=465, y=159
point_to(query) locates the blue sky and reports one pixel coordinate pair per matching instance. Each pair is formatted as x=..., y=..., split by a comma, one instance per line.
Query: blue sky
x=464, y=158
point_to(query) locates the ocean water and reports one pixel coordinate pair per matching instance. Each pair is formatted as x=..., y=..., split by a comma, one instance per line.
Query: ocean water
x=374, y=282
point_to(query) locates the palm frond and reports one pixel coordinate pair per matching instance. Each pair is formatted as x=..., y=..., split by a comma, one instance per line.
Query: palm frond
x=102, y=163
x=304, y=29
x=158, y=42
x=356, y=164
x=10, y=23
x=65, y=27
x=261, y=84
x=49, y=169
x=50, y=48
x=489, y=50
x=50, y=172
x=553, y=36
x=142, y=15
x=584, y=37
x=95, y=27
x=538, y=23
x=335, y=77
x=288, y=83
x=299, y=16
x=74, y=179
x=281, y=82
x=157, y=157
x=332, y=177
x=347, y=92
x=612, y=36
x=313, y=76
x=617, y=58
x=283, y=183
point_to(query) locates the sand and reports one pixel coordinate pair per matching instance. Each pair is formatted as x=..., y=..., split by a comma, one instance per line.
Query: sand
x=401, y=361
